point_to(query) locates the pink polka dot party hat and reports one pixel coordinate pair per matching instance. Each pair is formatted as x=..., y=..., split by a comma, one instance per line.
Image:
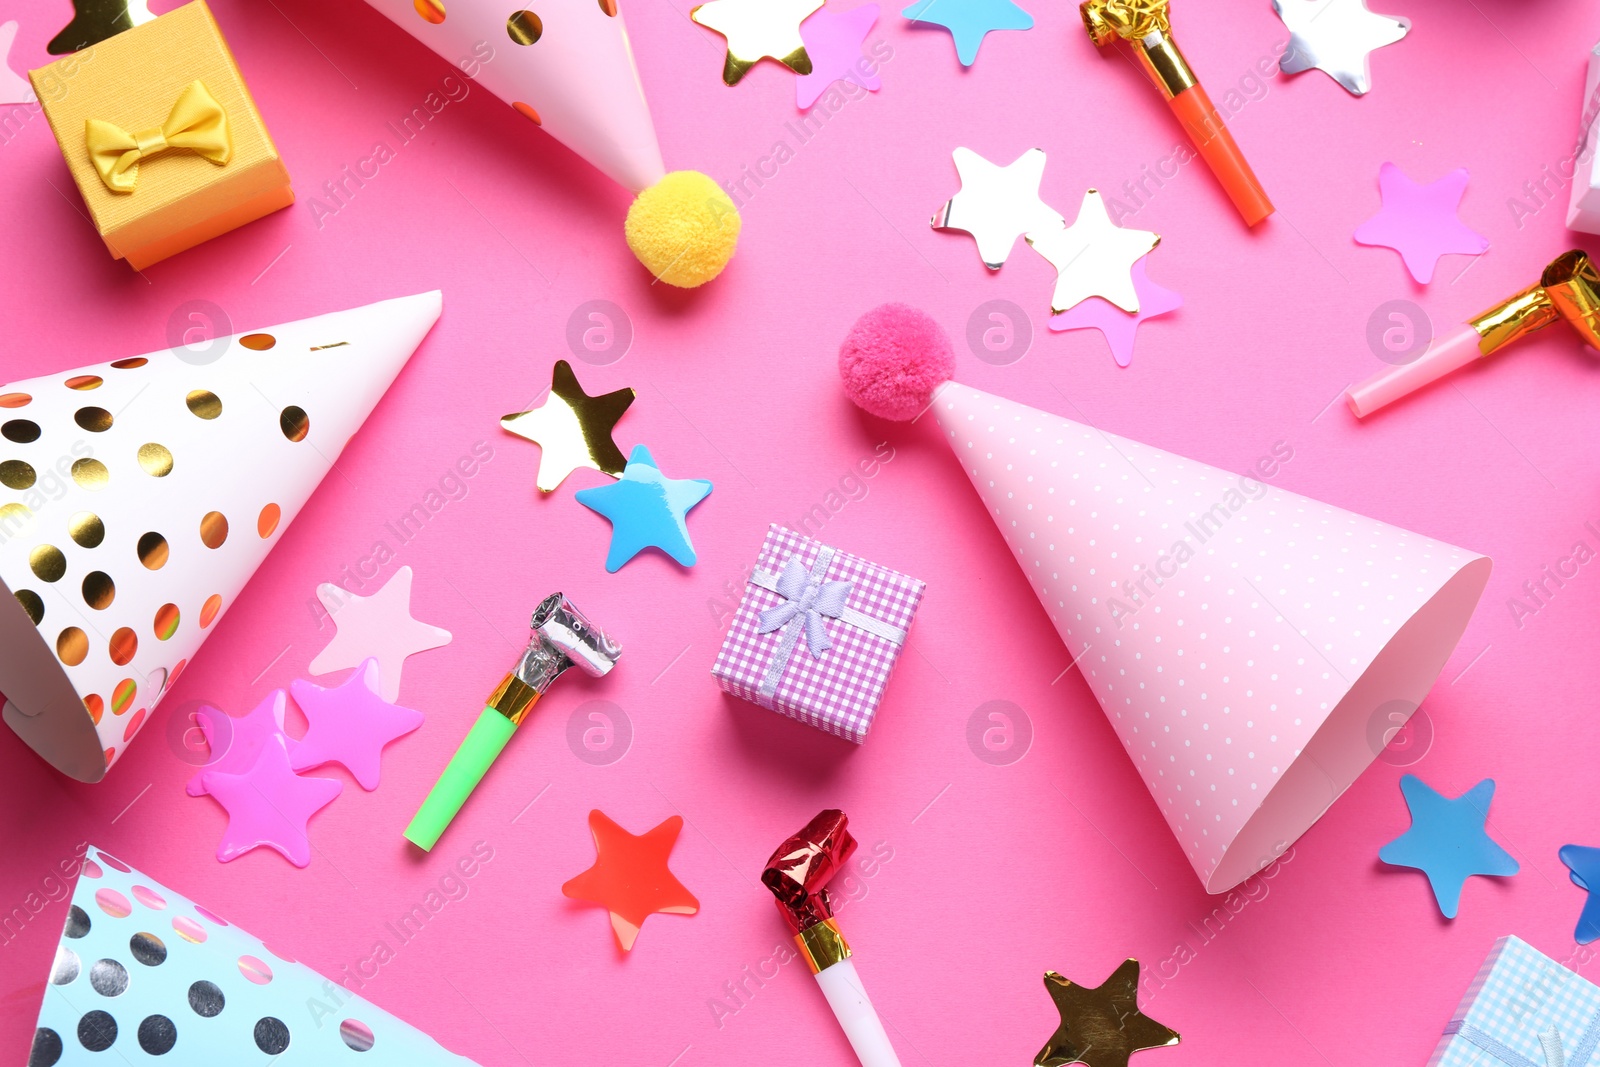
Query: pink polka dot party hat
x=1243, y=640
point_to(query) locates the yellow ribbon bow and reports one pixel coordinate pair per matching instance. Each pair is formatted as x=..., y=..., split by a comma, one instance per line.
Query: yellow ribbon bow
x=196, y=122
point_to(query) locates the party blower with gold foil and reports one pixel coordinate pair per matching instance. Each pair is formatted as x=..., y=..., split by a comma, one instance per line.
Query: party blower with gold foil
x=1144, y=24
x=1567, y=291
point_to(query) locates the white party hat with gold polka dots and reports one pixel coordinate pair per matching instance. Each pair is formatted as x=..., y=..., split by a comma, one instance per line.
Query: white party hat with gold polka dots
x=142, y=971
x=137, y=497
x=1254, y=650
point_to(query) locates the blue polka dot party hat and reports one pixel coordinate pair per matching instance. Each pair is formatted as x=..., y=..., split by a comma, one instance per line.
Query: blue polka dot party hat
x=142, y=971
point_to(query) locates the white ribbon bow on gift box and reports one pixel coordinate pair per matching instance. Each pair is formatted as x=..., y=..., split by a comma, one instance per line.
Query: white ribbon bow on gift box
x=1553, y=1054
x=807, y=601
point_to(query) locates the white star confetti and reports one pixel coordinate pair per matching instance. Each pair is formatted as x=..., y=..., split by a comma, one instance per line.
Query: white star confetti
x=996, y=205
x=1093, y=257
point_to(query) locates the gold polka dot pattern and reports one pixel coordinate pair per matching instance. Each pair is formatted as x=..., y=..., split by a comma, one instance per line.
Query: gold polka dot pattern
x=72, y=646
x=17, y=474
x=32, y=603
x=204, y=404
x=295, y=423
x=20, y=431
x=99, y=590
x=214, y=529
x=153, y=551
x=86, y=529
x=524, y=27
x=48, y=563
x=155, y=459
x=91, y=474
x=95, y=420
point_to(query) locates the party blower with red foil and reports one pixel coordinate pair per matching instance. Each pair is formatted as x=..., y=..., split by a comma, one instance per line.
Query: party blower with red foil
x=798, y=875
x=1145, y=26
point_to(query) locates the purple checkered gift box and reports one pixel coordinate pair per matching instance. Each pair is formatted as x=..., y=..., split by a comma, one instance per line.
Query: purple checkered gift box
x=817, y=633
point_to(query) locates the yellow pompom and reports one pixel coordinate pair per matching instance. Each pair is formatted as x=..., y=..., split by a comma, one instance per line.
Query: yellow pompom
x=683, y=229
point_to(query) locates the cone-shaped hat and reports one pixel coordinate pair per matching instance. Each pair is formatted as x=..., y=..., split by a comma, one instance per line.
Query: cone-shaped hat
x=567, y=67
x=137, y=498
x=1239, y=637
x=144, y=972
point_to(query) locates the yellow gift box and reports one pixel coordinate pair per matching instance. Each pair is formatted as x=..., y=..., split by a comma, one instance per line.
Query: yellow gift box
x=182, y=153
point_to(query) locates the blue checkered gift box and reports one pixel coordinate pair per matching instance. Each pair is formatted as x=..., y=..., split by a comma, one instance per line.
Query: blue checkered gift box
x=1523, y=1010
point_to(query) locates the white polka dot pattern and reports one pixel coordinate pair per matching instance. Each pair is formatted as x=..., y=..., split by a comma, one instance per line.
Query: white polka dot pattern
x=1217, y=619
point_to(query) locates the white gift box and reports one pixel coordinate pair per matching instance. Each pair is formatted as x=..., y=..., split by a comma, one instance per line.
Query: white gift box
x=1584, y=211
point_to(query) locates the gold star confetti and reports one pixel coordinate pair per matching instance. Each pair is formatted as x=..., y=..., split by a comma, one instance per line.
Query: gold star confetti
x=94, y=21
x=1103, y=1026
x=758, y=29
x=572, y=429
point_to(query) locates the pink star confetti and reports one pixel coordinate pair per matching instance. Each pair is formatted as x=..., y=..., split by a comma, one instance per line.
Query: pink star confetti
x=1419, y=221
x=378, y=627
x=236, y=741
x=14, y=88
x=349, y=724
x=833, y=40
x=269, y=805
x=1117, y=325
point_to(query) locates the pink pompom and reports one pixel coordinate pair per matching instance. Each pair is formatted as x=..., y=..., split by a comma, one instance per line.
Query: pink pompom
x=893, y=360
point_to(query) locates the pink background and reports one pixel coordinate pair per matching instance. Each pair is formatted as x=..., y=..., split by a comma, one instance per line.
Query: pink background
x=1060, y=859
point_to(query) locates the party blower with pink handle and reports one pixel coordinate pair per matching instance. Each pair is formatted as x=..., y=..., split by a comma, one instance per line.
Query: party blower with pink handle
x=1568, y=291
x=1242, y=640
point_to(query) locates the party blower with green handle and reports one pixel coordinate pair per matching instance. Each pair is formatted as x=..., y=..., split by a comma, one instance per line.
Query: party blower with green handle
x=562, y=637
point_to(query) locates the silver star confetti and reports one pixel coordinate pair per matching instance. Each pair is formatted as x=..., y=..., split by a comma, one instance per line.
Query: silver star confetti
x=996, y=205
x=1336, y=36
x=1093, y=257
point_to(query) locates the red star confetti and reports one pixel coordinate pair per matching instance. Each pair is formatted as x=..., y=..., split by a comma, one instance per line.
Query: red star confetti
x=630, y=878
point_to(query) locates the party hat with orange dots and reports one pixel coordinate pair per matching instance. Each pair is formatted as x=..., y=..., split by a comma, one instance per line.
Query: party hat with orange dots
x=568, y=68
x=137, y=498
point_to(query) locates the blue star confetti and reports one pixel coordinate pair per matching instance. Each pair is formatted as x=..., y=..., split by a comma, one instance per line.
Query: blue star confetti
x=1447, y=840
x=646, y=510
x=969, y=21
x=1584, y=863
